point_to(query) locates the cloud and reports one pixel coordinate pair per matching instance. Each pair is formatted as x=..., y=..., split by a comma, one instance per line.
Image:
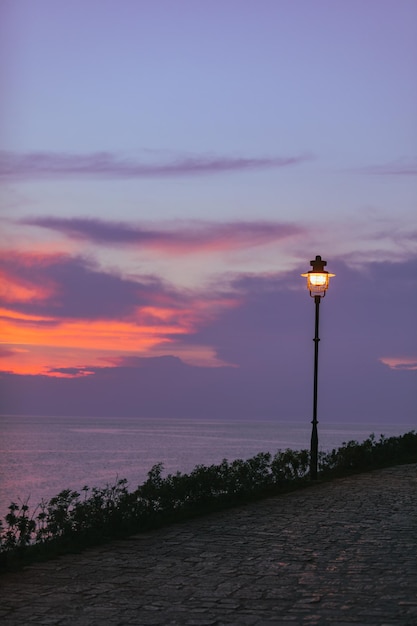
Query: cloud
x=84, y=315
x=366, y=315
x=181, y=237
x=70, y=372
x=6, y=353
x=401, y=167
x=36, y=165
x=136, y=362
x=61, y=286
x=267, y=335
x=400, y=363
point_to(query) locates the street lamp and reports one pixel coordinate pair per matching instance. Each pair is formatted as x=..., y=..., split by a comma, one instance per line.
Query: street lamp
x=317, y=284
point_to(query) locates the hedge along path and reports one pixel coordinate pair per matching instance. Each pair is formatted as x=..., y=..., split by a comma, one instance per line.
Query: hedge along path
x=340, y=552
x=66, y=523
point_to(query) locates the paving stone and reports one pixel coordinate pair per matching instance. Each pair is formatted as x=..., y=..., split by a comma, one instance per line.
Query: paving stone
x=335, y=554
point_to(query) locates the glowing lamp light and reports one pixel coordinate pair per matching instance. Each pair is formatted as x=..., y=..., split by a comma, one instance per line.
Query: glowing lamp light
x=318, y=278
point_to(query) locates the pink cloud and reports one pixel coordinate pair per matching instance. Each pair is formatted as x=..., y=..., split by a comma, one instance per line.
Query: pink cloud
x=400, y=363
x=72, y=287
x=105, y=164
x=183, y=237
x=6, y=353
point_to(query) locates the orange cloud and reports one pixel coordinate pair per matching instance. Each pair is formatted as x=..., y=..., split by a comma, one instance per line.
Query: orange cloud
x=105, y=335
x=15, y=290
x=46, y=361
x=36, y=344
x=8, y=314
x=61, y=316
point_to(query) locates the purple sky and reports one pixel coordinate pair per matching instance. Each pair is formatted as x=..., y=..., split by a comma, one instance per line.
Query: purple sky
x=168, y=170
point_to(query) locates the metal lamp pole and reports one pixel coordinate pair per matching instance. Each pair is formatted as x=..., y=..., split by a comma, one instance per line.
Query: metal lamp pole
x=317, y=284
x=314, y=446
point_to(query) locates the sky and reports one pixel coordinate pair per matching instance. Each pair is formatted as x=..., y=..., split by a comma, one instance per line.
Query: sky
x=168, y=169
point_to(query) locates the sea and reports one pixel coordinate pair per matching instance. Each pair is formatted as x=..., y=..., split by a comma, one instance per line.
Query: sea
x=41, y=456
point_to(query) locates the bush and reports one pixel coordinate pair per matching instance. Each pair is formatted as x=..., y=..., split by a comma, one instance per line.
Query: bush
x=70, y=521
x=357, y=457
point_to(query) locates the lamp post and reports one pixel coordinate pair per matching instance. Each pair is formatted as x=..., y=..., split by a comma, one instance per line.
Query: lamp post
x=317, y=284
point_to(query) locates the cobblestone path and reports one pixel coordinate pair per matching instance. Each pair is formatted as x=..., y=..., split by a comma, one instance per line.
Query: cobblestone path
x=340, y=553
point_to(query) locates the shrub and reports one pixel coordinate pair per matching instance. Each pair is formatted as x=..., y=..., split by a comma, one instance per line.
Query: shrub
x=71, y=521
x=356, y=457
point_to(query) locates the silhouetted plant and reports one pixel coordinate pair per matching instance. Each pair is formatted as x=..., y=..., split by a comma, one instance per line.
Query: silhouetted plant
x=70, y=520
x=371, y=453
x=290, y=465
x=20, y=527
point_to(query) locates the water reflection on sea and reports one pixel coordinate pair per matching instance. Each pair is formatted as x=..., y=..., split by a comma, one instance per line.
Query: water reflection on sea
x=40, y=456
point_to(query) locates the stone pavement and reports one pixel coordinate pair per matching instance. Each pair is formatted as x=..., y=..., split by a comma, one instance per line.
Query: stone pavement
x=338, y=553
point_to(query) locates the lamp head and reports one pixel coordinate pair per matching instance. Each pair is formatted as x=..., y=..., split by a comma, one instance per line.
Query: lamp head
x=318, y=278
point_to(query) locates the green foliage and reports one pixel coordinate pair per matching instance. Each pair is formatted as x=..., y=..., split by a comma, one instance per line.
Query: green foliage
x=71, y=521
